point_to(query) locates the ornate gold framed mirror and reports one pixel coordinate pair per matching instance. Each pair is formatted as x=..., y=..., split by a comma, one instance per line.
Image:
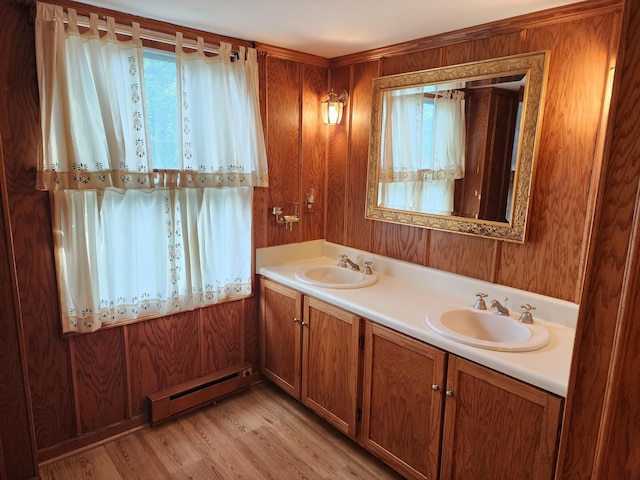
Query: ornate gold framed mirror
x=454, y=148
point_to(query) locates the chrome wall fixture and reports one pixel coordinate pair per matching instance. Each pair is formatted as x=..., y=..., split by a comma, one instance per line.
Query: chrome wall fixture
x=286, y=220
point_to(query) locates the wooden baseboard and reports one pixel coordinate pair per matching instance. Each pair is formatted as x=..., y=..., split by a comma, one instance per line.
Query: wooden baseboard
x=91, y=439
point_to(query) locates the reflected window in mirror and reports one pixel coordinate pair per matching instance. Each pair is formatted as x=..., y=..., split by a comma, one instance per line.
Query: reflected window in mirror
x=422, y=148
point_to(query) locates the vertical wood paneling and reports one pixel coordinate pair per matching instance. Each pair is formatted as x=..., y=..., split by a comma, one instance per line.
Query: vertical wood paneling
x=484, y=48
x=251, y=328
x=357, y=228
x=261, y=212
x=462, y=254
x=313, y=154
x=222, y=336
x=100, y=379
x=283, y=137
x=163, y=352
x=411, y=62
x=16, y=455
x=400, y=241
x=338, y=151
x=602, y=408
x=559, y=204
x=29, y=217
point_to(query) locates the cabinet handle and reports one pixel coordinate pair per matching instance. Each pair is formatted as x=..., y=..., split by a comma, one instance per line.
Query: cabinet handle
x=304, y=324
x=449, y=393
x=435, y=388
x=296, y=320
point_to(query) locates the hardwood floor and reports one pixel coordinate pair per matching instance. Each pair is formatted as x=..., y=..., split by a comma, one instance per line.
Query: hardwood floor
x=259, y=434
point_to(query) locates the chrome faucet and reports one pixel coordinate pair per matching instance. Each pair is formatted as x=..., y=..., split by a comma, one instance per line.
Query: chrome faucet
x=526, y=317
x=344, y=262
x=502, y=310
x=480, y=303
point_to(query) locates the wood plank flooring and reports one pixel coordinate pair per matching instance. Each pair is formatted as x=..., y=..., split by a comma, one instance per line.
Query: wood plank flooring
x=259, y=434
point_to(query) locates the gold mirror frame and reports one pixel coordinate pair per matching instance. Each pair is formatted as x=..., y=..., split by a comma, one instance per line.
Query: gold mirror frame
x=534, y=65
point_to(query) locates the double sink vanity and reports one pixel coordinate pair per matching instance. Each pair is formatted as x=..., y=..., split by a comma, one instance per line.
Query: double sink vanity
x=413, y=365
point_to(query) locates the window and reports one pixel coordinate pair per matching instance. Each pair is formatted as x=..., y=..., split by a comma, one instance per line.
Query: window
x=427, y=130
x=152, y=159
x=161, y=90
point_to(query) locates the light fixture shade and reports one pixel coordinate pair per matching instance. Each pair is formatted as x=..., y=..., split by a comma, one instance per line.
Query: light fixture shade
x=332, y=108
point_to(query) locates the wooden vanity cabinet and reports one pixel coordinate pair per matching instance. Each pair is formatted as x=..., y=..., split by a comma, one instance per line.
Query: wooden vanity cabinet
x=331, y=364
x=311, y=350
x=281, y=336
x=496, y=427
x=426, y=413
x=403, y=401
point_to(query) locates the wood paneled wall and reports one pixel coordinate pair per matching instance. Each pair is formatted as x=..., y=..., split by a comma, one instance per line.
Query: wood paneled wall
x=17, y=457
x=601, y=437
x=82, y=388
x=551, y=260
x=86, y=388
x=292, y=90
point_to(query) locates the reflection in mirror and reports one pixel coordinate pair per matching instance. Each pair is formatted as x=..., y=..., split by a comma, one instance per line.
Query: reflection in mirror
x=453, y=148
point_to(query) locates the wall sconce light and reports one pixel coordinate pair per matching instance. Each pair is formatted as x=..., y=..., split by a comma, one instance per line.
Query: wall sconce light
x=333, y=106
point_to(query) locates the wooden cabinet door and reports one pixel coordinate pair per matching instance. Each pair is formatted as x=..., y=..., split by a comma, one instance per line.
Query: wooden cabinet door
x=496, y=427
x=330, y=364
x=281, y=336
x=403, y=394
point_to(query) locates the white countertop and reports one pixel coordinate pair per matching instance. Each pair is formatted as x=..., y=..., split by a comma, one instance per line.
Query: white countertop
x=402, y=305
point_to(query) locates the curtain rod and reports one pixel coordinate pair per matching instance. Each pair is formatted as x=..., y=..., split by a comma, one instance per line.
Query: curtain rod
x=145, y=34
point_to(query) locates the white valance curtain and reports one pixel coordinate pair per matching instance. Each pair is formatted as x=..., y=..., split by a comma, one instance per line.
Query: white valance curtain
x=222, y=143
x=130, y=242
x=91, y=105
x=93, y=111
x=407, y=153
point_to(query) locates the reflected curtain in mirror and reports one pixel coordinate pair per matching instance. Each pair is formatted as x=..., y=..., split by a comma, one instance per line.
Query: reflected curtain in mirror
x=422, y=134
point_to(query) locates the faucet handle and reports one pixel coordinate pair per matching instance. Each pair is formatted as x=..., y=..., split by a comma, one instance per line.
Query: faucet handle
x=526, y=317
x=367, y=267
x=342, y=262
x=480, y=303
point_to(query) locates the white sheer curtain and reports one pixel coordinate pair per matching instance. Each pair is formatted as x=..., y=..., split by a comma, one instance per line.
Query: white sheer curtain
x=91, y=105
x=108, y=242
x=131, y=243
x=402, y=128
x=222, y=141
x=447, y=160
x=422, y=153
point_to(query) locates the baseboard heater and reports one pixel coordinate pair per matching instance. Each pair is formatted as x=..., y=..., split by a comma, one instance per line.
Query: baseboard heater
x=197, y=392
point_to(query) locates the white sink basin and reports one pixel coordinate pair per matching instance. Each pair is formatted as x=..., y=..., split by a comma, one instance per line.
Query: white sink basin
x=485, y=329
x=331, y=276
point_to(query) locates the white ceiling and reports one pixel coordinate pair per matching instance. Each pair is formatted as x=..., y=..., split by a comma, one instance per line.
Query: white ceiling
x=328, y=28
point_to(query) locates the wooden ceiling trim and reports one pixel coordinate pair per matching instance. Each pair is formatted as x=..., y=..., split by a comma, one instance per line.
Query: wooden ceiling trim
x=500, y=27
